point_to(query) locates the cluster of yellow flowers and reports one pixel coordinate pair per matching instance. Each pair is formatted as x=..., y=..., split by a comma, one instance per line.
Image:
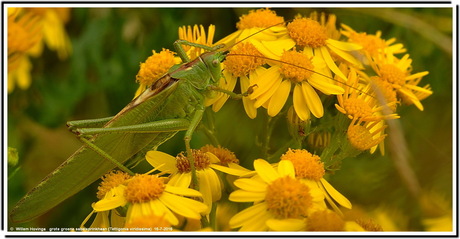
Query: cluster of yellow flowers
x=269, y=58
x=291, y=195
x=28, y=30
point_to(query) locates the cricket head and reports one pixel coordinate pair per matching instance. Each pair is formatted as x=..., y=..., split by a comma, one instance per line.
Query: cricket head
x=213, y=61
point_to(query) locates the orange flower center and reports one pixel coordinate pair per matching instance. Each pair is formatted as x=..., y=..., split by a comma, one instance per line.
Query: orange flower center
x=392, y=74
x=306, y=165
x=224, y=155
x=109, y=181
x=325, y=221
x=259, y=18
x=201, y=160
x=155, y=66
x=296, y=66
x=243, y=59
x=288, y=198
x=307, y=32
x=143, y=188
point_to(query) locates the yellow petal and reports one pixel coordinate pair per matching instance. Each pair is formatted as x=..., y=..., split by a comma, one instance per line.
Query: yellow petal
x=279, y=98
x=160, y=209
x=182, y=191
x=113, y=199
x=246, y=196
x=183, y=206
x=213, y=182
x=324, y=54
x=346, y=56
x=164, y=161
x=257, y=223
x=182, y=180
x=412, y=98
x=273, y=49
x=265, y=170
x=205, y=189
x=418, y=88
x=213, y=158
x=232, y=171
x=319, y=82
x=248, y=104
x=289, y=224
x=250, y=185
x=312, y=99
x=266, y=87
x=251, y=212
x=286, y=168
x=101, y=220
x=300, y=104
x=336, y=195
x=345, y=46
x=417, y=75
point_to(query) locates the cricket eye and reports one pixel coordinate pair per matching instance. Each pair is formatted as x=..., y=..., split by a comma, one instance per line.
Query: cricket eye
x=215, y=62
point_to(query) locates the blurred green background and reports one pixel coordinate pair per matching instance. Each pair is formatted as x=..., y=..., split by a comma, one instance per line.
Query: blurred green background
x=98, y=80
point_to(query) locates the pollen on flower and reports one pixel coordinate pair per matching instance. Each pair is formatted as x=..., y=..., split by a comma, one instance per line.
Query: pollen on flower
x=298, y=67
x=357, y=108
x=155, y=66
x=363, y=137
x=307, y=32
x=111, y=180
x=143, y=188
x=306, y=165
x=201, y=160
x=325, y=221
x=371, y=43
x=259, y=18
x=147, y=221
x=392, y=74
x=240, y=62
x=224, y=155
x=288, y=198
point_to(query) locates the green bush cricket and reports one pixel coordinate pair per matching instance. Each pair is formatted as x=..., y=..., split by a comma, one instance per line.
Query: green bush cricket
x=171, y=104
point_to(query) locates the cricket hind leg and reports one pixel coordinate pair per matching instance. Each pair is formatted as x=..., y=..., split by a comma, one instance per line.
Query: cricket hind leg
x=72, y=125
x=170, y=125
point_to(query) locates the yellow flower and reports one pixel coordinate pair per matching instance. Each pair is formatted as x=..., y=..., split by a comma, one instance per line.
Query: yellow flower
x=310, y=170
x=367, y=135
x=148, y=194
x=373, y=45
x=196, y=35
x=397, y=72
x=54, y=34
x=28, y=30
x=261, y=24
x=240, y=65
x=277, y=196
x=327, y=220
x=106, y=190
x=156, y=65
x=299, y=69
x=313, y=37
x=180, y=172
x=24, y=32
x=359, y=101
